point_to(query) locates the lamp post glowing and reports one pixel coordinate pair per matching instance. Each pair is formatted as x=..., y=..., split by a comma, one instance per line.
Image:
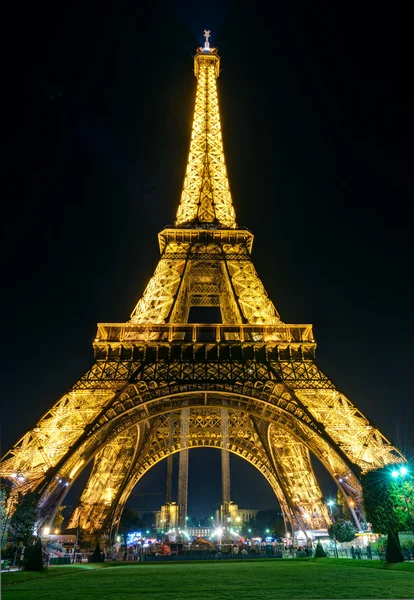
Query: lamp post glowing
x=399, y=476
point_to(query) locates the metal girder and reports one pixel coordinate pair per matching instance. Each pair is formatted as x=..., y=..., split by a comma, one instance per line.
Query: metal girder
x=206, y=194
x=204, y=431
x=177, y=284
x=110, y=469
x=293, y=465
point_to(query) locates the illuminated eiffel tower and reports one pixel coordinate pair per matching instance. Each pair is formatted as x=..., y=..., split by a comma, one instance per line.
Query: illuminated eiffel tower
x=161, y=384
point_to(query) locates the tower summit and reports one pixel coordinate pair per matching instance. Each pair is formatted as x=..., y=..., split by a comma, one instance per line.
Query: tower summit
x=206, y=199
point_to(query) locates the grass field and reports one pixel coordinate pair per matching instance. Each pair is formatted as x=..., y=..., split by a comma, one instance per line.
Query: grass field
x=262, y=580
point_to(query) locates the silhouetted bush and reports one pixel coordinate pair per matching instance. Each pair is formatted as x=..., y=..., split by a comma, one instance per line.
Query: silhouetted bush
x=319, y=552
x=97, y=556
x=33, y=557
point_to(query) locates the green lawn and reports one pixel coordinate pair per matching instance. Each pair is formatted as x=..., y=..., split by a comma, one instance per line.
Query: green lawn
x=262, y=580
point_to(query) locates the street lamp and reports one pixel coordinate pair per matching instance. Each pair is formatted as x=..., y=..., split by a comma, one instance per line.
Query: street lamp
x=399, y=476
x=331, y=504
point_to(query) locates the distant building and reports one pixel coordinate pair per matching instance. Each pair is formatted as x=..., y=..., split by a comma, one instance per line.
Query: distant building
x=167, y=517
x=203, y=532
x=231, y=515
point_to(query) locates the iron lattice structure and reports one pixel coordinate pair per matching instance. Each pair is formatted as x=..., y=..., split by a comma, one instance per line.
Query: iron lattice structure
x=159, y=385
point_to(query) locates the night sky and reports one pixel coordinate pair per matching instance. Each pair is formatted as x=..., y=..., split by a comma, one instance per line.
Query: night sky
x=316, y=107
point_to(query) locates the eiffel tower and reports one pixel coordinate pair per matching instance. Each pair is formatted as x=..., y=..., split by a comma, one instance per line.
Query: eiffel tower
x=161, y=384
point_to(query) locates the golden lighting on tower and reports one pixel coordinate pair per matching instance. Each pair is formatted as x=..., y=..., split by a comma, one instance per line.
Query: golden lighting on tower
x=206, y=197
x=249, y=384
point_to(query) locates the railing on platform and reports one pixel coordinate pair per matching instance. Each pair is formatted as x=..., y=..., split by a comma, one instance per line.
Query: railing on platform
x=199, y=332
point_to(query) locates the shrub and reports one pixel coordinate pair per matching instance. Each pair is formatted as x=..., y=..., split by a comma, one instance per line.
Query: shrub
x=34, y=554
x=97, y=555
x=319, y=552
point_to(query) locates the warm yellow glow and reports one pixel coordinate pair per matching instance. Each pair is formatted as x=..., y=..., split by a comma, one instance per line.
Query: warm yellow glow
x=206, y=193
x=76, y=469
x=46, y=530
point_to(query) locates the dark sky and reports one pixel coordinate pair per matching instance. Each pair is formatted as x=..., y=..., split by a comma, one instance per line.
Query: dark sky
x=316, y=106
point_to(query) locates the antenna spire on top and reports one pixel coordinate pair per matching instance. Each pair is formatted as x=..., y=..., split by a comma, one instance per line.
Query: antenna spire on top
x=207, y=33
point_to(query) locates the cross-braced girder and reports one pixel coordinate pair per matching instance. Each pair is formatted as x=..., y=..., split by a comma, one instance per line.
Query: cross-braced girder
x=299, y=431
x=206, y=193
x=195, y=274
x=205, y=429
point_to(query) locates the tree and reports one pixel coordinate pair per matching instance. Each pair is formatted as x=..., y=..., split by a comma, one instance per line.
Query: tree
x=22, y=522
x=149, y=520
x=279, y=528
x=343, y=506
x=5, y=487
x=319, y=552
x=97, y=555
x=386, y=500
x=130, y=521
x=386, y=507
x=265, y=519
x=342, y=530
x=34, y=556
x=59, y=517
